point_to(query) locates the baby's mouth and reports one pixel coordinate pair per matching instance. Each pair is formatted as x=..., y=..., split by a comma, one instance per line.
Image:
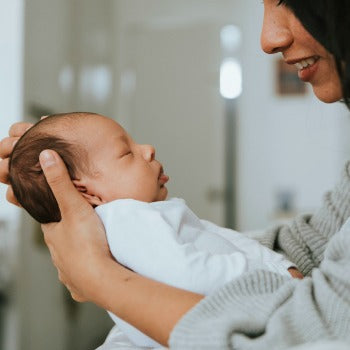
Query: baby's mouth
x=162, y=178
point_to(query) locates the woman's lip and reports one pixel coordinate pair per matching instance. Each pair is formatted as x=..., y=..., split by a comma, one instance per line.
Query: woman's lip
x=307, y=73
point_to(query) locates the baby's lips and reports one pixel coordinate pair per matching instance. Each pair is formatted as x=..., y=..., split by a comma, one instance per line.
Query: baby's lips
x=163, y=179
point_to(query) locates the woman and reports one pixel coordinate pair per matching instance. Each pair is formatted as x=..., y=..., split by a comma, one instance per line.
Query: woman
x=260, y=310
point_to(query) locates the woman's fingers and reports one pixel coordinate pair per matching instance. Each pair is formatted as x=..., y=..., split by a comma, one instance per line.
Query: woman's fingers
x=68, y=198
x=11, y=197
x=15, y=132
x=6, y=146
x=4, y=171
x=78, y=238
x=18, y=129
x=75, y=296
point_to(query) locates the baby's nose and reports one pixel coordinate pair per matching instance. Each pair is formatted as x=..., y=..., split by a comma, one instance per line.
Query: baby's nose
x=148, y=152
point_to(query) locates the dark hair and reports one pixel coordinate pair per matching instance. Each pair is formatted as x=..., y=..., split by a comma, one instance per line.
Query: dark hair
x=26, y=176
x=328, y=21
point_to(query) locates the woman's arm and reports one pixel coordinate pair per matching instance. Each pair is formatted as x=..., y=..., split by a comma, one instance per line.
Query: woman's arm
x=80, y=252
x=152, y=307
x=263, y=310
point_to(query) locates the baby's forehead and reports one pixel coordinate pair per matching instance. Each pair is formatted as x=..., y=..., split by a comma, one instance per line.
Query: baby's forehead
x=100, y=130
x=89, y=130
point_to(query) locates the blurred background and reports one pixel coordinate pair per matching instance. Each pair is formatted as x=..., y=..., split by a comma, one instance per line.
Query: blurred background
x=244, y=142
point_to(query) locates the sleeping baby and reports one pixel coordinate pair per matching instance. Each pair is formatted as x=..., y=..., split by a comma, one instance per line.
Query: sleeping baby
x=158, y=238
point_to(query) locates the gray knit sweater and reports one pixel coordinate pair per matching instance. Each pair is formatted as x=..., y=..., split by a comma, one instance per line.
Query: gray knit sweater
x=263, y=310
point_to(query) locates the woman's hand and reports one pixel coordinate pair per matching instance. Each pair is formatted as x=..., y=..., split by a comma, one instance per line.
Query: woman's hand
x=81, y=255
x=6, y=147
x=77, y=243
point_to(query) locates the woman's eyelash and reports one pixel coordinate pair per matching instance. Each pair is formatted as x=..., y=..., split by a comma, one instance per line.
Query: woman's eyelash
x=280, y=2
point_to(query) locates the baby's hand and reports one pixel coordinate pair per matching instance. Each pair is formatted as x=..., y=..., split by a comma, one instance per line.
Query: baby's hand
x=6, y=147
x=295, y=273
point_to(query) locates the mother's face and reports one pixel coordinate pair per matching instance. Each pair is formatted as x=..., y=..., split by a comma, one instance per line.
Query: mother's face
x=283, y=32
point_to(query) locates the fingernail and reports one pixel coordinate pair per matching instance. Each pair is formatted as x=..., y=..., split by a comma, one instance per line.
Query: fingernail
x=47, y=159
x=14, y=142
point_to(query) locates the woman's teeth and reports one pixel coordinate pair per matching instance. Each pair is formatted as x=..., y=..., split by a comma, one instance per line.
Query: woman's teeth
x=306, y=63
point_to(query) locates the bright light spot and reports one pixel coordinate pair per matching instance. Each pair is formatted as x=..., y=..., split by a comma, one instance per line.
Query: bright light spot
x=230, y=79
x=230, y=38
x=95, y=83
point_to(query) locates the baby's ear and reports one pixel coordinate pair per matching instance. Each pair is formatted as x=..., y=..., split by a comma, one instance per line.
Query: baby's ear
x=91, y=198
x=79, y=185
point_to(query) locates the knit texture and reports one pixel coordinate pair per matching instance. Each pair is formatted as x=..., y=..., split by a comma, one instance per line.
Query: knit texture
x=263, y=310
x=304, y=240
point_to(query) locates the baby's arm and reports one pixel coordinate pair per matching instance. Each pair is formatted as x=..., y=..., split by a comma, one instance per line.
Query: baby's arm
x=141, y=239
x=258, y=256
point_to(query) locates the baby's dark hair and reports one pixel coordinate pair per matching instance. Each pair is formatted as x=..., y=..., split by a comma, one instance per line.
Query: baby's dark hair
x=25, y=174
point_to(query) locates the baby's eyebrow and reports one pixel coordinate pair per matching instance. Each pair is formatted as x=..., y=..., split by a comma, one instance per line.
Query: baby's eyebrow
x=120, y=142
x=121, y=138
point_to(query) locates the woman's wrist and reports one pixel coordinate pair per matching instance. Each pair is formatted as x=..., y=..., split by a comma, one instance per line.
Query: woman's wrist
x=110, y=278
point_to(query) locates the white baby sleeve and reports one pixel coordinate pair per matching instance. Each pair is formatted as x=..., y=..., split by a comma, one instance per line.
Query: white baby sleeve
x=141, y=239
x=258, y=256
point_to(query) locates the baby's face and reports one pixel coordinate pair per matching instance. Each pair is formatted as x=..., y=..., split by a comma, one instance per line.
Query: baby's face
x=121, y=168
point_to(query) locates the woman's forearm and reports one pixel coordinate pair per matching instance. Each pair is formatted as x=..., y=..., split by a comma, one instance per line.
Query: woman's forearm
x=152, y=307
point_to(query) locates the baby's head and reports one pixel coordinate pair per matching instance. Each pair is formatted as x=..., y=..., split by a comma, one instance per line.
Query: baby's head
x=102, y=160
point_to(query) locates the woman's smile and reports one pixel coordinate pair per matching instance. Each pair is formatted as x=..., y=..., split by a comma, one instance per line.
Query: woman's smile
x=307, y=67
x=283, y=32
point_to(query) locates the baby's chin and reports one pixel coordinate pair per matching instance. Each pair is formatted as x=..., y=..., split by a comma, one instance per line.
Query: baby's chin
x=163, y=194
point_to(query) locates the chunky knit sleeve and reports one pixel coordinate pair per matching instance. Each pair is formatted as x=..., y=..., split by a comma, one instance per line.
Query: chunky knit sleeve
x=304, y=239
x=264, y=310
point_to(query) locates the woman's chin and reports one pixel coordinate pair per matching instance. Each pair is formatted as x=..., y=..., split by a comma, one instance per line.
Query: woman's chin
x=328, y=95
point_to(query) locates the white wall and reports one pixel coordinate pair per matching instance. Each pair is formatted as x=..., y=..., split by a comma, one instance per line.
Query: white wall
x=293, y=143
x=11, y=49
x=11, y=82
x=59, y=35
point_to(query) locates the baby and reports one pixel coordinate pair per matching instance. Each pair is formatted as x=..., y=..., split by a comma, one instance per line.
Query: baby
x=163, y=240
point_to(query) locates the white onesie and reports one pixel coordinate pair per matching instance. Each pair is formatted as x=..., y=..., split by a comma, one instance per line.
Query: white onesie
x=167, y=242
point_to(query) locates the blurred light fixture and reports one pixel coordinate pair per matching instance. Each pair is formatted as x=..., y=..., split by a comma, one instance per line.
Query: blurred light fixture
x=231, y=37
x=66, y=79
x=95, y=83
x=230, y=78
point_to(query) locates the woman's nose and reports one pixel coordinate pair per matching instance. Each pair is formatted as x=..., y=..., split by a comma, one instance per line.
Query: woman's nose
x=276, y=35
x=148, y=152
